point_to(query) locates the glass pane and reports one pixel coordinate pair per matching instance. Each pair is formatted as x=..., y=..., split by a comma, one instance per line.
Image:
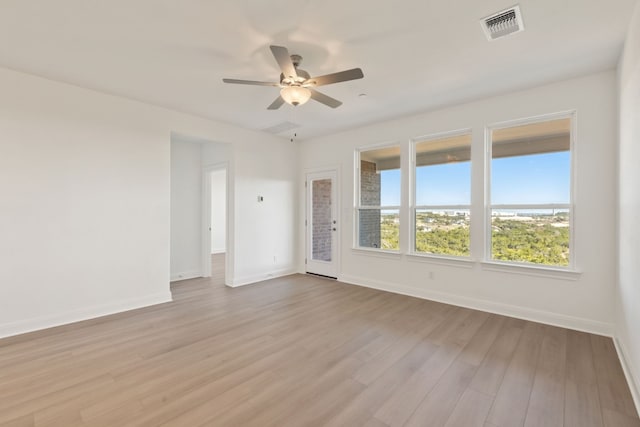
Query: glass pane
x=321, y=219
x=531, y=179
x=446, y=184
x=443, y=171
x=538, y=236
x=531, y=163
x=442, y=232
x=390, y=187
x=380, y=177
x=379, y=228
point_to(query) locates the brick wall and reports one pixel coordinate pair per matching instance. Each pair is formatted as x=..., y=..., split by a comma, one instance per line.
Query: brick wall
x=369, y=220
x=321, y=222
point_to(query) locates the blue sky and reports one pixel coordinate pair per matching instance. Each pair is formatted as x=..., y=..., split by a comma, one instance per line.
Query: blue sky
x=538, y=178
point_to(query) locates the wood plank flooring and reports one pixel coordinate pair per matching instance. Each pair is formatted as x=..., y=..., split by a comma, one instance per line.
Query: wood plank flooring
x=307, y=351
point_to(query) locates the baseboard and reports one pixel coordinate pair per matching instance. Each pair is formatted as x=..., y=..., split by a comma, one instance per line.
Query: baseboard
x=247, y=280
x=629, y=372
x=35, y=324
x=185, y=275
x=555, y=319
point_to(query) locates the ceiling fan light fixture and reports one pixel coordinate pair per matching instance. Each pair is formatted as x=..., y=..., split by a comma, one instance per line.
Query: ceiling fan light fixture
x=296, y=85
x=295, y=95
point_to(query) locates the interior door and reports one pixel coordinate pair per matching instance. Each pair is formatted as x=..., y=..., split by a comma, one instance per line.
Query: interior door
x=322, y=224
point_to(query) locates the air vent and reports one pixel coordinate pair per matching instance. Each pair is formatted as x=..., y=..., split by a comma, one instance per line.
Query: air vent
x=503, y=23
x=281, y=127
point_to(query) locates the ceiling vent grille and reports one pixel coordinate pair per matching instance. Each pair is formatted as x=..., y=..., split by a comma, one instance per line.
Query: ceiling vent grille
x=503, y=23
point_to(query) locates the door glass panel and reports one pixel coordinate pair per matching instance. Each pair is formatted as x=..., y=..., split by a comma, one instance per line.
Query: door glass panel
x=321, y=219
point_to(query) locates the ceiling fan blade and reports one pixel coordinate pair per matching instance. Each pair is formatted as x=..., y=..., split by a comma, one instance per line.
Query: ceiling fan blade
x=284, y=61
x=324, y=99
x=250, y=82
x=276, y=104
x=342, y=76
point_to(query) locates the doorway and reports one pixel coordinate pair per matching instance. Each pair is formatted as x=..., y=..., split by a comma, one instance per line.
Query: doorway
x=322, y=228
x=215, y=218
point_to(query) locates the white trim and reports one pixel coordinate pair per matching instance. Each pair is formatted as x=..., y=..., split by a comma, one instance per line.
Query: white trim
x=413, y=207
x=572, y=115
x=357, y=202
x=633, y=380
x=443, y=208
x=453, y=261
x=185, y=275
x=486, y=200
x=39, y=323
x=248, y=280
x=379, y=208
x=531, y=270
x=377, y=252
x=573, y=189
x=549, y=318
x=441, y=135
x=378, y=145
x=333, y=174
x=218, y=251
x=532, y=206
x=206, y=213
x=567, y=114
x=410, y=215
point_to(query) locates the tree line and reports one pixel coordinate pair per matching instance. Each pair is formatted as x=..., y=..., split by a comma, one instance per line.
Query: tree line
x=536, y=241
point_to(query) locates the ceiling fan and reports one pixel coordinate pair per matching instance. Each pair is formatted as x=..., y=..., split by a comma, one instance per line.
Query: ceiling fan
x=296, y=85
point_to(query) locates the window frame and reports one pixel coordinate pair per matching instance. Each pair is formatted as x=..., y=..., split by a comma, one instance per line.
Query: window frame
x=358, y=200
x=489, y=207
x=413, y=207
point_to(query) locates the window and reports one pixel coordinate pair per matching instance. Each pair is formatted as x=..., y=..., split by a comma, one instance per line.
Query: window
x=442, y=195
x=530, y=187
x=378, y=200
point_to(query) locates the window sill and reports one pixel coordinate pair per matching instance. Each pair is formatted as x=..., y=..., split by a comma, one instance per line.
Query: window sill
x=463, y=262
x=532, y=270
x=380, y=253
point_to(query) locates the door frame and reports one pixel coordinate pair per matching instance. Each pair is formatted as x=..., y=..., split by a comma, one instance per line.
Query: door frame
x=206, y=218
x=333, y=172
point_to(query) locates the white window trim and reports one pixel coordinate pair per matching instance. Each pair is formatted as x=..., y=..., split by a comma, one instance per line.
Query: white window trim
x=357, y=201
x=377, y=252
x=531, y=270
x=448, y=260
x=423, y=256
x=488, y=263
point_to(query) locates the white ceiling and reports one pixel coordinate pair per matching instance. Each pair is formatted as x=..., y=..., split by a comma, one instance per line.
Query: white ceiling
x=416, y=54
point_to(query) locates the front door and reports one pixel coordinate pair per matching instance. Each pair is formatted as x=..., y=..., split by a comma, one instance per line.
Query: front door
x=322, y=224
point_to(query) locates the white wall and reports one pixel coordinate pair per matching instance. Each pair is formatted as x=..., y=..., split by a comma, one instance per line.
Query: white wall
x=585, y=303
x=261, y=240
x=186, y=208
x=628, y=289
x=190, y=160
x=85, y=202
x=218, y=211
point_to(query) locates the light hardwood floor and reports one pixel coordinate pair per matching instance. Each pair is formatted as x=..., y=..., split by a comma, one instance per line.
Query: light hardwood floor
x=307, y=351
